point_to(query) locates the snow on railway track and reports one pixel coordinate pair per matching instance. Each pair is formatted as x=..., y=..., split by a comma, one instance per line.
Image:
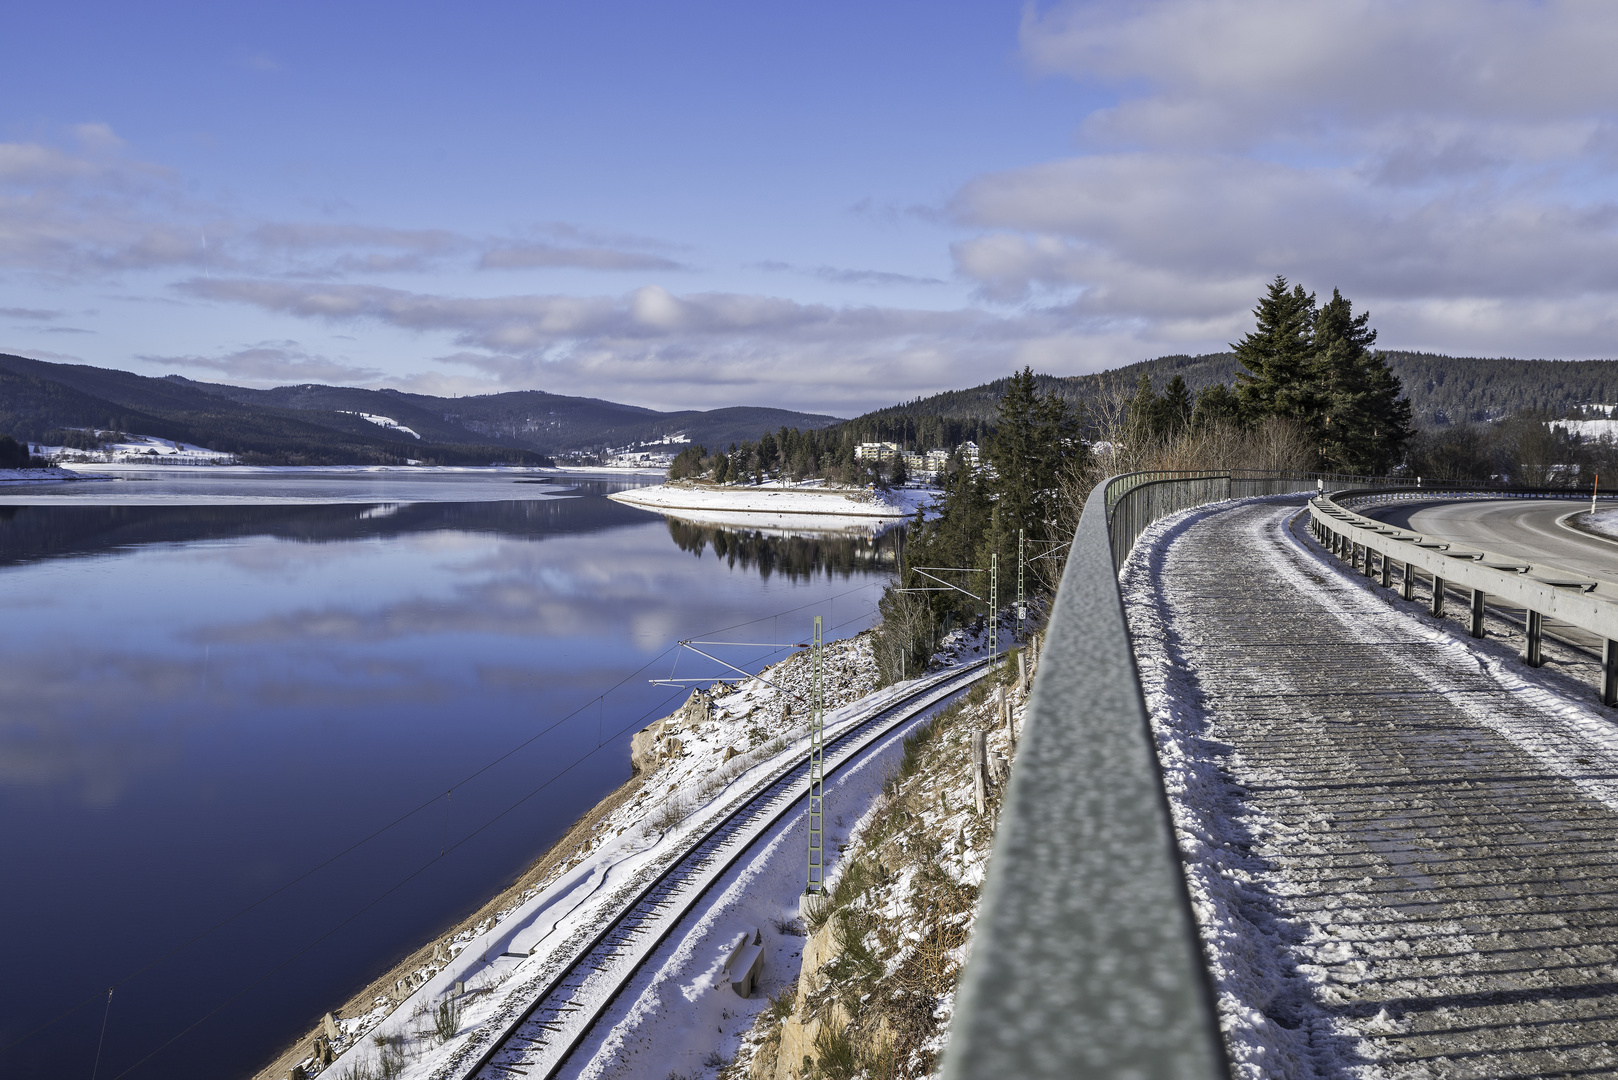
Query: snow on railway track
x=456, y=1012
x=538, y=1040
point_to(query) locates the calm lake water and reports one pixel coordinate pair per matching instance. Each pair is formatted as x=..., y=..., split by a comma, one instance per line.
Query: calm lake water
x=212, y=686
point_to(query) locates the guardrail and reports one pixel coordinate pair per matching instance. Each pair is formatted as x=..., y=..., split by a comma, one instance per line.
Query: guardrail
x=1542, y=590
x=1086, y=960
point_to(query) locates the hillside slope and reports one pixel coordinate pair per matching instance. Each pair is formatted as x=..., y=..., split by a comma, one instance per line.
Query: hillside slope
x=318, y=424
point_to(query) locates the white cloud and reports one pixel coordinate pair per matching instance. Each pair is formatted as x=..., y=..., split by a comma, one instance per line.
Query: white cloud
x=271, y=364
x=1449, y=164
x=650, y=346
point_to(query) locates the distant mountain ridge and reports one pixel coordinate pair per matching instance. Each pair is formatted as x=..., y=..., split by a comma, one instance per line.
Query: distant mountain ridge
x=318, y=424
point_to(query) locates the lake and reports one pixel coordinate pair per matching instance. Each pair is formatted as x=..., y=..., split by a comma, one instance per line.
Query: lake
x=215, y=684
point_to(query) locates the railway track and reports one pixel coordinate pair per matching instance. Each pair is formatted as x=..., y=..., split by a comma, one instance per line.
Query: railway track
x=539, y=1041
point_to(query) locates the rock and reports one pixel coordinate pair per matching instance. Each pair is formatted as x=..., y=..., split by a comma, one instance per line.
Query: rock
x=673, y=747
x=647, y=747
x=328, y=1024
x=730, y=752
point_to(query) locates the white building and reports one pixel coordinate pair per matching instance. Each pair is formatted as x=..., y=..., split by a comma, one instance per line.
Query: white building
x=876, y=451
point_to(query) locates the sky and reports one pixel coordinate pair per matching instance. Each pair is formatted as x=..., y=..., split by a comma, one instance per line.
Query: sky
x=829, y=207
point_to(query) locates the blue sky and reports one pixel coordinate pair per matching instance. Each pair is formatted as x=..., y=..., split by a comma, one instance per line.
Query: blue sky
x=829, y=206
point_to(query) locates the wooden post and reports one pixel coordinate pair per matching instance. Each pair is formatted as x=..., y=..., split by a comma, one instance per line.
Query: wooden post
x=1022, y=672
x=980, y=765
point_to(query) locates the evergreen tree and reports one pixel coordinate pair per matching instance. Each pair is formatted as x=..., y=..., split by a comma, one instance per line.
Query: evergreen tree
x=1363, y=422
x=1216, y=406
x=1174, y=408
x=1279, y=357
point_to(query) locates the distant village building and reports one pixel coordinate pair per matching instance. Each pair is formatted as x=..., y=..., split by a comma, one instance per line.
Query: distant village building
x=876, y=451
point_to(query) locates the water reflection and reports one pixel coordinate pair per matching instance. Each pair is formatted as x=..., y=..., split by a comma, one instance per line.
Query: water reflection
x=795, y=555
x=201, y=701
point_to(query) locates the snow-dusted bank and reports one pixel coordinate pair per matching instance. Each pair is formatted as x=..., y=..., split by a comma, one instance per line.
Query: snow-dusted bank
x=773, y=502
x=441, y=1012
x=15, y=478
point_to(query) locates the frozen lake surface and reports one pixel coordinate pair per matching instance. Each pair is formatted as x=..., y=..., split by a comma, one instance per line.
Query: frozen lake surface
x=215, y=683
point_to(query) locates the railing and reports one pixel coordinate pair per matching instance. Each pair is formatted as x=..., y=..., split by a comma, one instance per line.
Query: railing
x=1086, y=959
x=1539, y=590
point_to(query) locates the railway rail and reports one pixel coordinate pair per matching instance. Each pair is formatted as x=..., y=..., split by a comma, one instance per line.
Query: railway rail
x=540, y=1040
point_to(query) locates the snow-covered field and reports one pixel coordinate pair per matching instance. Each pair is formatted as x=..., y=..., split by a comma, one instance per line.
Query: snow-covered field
x=138, y=449
x=382, y=422
x=769, y=503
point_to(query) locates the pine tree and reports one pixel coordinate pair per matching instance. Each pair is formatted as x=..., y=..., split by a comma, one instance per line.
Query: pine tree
x=1279, y=357
x=1363, y=422
x=1174, y=408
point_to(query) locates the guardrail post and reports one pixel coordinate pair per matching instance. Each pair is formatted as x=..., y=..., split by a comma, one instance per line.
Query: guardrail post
x=1387, y=570
x=1407, y=582
x=1609, y=672
x=1368, y=554
x=1438, y=597
x=1532, y=652
x=1477, y=613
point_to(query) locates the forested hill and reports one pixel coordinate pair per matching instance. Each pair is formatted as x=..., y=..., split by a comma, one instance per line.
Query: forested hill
x=1441, y=389
x=316, y=424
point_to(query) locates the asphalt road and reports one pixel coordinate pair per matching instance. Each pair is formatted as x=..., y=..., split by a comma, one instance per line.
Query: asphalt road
x=1526, y=529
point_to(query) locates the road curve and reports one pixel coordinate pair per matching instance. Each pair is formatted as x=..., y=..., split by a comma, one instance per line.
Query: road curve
x=1525, y=529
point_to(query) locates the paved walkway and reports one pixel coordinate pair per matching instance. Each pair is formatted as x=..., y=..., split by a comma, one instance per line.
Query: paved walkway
x=1404, y=844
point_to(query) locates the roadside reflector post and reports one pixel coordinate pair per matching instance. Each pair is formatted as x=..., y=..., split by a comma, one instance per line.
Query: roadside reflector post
x=1477, y=613
x=1531, y=647
x=1438, y=597
x=1609, y=672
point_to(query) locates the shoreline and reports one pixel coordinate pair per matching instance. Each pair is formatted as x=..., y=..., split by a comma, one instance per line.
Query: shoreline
x=363, y=1000
x=849, y=504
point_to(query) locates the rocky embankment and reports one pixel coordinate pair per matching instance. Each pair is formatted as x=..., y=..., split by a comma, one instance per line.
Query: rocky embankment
x=885, y=948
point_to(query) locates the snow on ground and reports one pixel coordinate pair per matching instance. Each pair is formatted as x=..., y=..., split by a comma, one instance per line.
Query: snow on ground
x=1259, y=961
x=1588, y=429
x=685, y=992
x=744, y=740
x=137, y=449
x=382, y=421
x=1602, y=521
x=737, y=502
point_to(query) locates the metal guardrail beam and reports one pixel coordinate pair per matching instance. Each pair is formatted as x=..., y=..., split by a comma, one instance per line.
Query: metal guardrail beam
x=1085, y=959
x=1541, y=589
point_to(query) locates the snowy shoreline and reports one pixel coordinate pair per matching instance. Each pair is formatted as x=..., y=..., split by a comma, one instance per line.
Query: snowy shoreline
x=770, y=500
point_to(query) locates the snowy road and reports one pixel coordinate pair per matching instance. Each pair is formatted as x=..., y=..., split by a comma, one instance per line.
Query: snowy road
x=1400, y=842
x=1516, y=528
